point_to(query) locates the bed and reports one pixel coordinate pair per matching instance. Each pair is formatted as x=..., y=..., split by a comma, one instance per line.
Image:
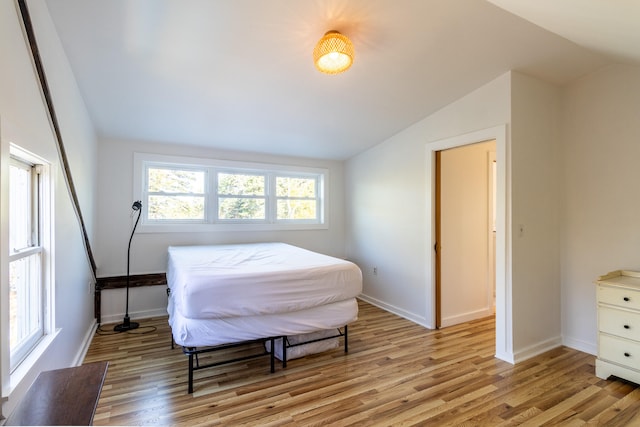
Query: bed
x=286, y=296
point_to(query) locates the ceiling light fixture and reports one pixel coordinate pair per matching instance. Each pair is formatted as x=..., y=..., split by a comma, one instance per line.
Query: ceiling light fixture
x=334, y=53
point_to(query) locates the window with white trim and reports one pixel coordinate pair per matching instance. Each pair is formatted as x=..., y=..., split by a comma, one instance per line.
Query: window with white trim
x=186, y=194
x=296, y=198
x=175, y=193
x=241, y=195
x=29, y=281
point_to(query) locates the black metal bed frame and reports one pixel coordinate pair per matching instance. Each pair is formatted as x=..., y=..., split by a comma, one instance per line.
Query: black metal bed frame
x=286, y=344
x=194, y=352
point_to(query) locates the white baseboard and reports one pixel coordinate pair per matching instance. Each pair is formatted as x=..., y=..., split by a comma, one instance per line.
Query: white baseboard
x=117, y=318
x=580, y=345
x=420, y=320
x=86, y=342
x=536, y=349
x=467, y=317
x=516, y=357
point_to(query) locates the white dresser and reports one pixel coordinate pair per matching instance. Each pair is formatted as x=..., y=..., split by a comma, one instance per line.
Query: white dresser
x=618, y=296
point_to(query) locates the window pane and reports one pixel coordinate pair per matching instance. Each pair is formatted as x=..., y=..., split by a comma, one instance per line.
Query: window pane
x=241, y=208
x=20, y=208
x=296, y=209
x=25, y=310
x=241, y=184
x=176, y=181
x=176, y=208
x=295, y=187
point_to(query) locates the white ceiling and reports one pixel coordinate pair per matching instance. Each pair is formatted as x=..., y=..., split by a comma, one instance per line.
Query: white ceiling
x=608, y=26
x=238, y=74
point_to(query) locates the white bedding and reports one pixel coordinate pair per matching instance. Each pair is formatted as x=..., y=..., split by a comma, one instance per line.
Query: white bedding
x=209, y=332
x=252, y=281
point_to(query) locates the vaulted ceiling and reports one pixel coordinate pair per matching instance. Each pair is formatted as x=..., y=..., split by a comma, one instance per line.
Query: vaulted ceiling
x=238, y=74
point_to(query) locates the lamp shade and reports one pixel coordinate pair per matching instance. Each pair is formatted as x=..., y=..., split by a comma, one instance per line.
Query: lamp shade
x=334, y=53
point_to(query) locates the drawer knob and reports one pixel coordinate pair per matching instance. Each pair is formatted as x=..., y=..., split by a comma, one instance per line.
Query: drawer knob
x=627, y=327
x=627, y=299
x=627, y=354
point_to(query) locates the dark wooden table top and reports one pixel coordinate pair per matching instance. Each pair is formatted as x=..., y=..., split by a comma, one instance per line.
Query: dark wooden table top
x=66, y=396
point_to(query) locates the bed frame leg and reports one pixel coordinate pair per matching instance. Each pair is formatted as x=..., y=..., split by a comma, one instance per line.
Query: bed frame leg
x=273, y=355
x=284, y=352
x=346, y=340
x=190, y=373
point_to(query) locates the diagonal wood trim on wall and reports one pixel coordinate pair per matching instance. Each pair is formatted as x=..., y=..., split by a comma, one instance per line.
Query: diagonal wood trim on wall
x=35, y=53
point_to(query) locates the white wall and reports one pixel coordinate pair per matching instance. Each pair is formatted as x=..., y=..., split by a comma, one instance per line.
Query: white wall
x=601, y=221
x=149, y=250
x=23, y=120
x=388, y=191
x=536, y=200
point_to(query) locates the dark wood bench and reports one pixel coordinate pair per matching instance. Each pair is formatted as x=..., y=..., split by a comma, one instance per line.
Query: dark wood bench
x=62, y=397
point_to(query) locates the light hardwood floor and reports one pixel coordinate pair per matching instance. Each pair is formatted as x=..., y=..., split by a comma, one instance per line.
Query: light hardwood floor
x=396, y=373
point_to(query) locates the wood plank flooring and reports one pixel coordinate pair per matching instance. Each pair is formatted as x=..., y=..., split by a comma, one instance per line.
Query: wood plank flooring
x=396, y=373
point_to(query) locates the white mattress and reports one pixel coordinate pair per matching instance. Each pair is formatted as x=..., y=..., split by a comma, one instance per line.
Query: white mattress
x=226, y=281
x=209, y=332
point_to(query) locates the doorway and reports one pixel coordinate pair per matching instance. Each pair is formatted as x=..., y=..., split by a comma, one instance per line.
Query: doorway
x=465, y=228
x=503, y=287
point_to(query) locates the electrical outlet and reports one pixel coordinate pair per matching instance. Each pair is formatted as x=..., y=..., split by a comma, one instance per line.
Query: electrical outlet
x=90, y=287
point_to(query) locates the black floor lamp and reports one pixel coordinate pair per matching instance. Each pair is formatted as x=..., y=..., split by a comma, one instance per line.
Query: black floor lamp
x=126, y=323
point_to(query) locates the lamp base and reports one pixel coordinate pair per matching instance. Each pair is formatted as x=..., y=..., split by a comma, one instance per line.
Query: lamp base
x=126, y=325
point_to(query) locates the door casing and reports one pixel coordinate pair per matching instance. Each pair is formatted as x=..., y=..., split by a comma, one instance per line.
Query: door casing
x=504, y=315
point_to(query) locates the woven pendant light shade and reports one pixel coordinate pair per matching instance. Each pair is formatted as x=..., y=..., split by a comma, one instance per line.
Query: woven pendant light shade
x=334, y=53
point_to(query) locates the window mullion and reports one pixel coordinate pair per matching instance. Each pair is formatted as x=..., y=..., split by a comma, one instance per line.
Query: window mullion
x=270, y=197
x=165, y=193
x=35, y=207
x=213, y=196
x=15, y=256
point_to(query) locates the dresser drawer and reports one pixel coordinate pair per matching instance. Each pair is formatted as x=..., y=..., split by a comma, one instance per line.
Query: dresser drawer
x=622, y=323
x=621, y=297
x=620, y=351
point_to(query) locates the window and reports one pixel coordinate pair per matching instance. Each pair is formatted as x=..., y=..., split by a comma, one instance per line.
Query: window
x=296, y=198
x=175, y=194
x=241, y=196
x=184, y=194
x=28, y=271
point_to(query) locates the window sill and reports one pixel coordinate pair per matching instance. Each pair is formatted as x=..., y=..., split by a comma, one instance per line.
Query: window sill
x=203, y=228
x=29, y=362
